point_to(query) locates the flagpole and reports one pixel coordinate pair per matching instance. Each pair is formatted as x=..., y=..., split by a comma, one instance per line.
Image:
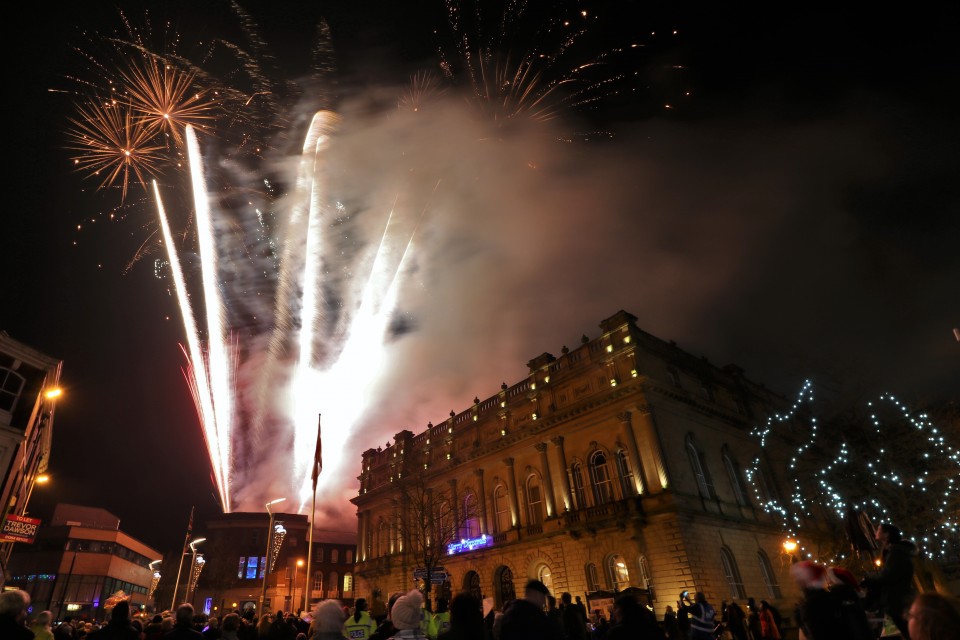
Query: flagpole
x=315, y=475
x=183, y=552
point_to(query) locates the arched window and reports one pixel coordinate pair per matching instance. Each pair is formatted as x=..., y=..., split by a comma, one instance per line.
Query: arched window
x=674, y=376
x=545, y=576
x=593, y=579
x=349, y=556
x=501, y=508
x=579, y=493
x=504, y=591
x=334, y=556
x=618, y=578
x=347, y=585
x=471, y=584
x=534, y=500
x=11, y=385
x=627, y=486
x=732, y=574
x=471, y=520
x=600, y=478
x=645, y=580
x=736, y=478
x=333, y=585
x=700, y=471
x=769, y=577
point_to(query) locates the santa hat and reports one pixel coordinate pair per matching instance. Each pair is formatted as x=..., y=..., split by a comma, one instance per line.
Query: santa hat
x=406, y=610
x=808, y=574
x=839, y=575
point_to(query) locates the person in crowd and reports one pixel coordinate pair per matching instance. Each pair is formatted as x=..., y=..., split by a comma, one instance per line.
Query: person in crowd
x=769, y=628
x=702, y=618
x=583, y=608
x=212, y=631
x=359, y=626
x=489, y=616
x=554, y=614
x=406, y=616
x=386, y=629
x=230, y=627
x=934, y=616
x=601, y=627
x=753, y=619
x=41, y=626
x=439, y=621
x=633, y=621
x=892, y=588
x=736, y=621
x=263, y=626
x=525, y=618
x=466, y=619
x=119, y=627
x=328, y=621
x=573, y=618
x=378, y=609
x=65, y=630
x=183, y=625
x=13, y=613
x=670, y=626
x=683, y=613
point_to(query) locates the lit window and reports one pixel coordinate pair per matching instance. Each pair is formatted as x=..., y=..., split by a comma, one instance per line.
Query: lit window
x=732, y=574
x=545, y=576
x=471, y=521
x=593, y=580
x=501, y=508
x=600, y=478
x=618, y=578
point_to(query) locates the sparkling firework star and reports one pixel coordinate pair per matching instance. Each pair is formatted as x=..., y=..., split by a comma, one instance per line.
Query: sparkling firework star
x=167, y=99
x=114, y=142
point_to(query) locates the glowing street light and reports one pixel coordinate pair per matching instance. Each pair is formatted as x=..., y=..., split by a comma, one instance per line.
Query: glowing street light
x=266, y=572
x=54, y=393
x=43, y=478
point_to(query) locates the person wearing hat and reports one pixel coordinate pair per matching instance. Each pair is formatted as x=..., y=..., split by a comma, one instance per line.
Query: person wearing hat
x=406, y=615
x=525, y=617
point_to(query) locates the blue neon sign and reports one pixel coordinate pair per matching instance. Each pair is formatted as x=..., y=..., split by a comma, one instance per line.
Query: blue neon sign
x=469, y=544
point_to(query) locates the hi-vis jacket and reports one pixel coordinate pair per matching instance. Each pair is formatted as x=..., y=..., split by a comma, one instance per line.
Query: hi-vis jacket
x=359, y=629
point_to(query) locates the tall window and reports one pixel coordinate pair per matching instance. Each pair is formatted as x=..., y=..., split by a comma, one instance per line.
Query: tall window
x=736, y=478
x=334, y=556
x=618, y=578
x=318, y=580
x=534, y=500
x=645, y=579
x=349, y=558
x=545, y=576
x=11, y=384
x=700, y=471
x=502, y=508
x=769, y=577
x=593, y=579
x=579, y=493
x=471, y=520
x=347, y=584
x=383, y=536
x=627, y=485
x=732, y=574
x=600, y=477
x=334, y=584
x=471, y=584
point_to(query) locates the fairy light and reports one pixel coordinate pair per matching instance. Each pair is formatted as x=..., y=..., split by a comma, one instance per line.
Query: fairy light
x=279, y=533
x=931, y=486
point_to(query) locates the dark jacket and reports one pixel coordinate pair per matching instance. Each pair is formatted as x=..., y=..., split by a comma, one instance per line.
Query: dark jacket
x=644, y=627
x=574, y=623
x=13, y=630
x=836, y=614
x=183, y=632
x=115, y=630
x=523, y=620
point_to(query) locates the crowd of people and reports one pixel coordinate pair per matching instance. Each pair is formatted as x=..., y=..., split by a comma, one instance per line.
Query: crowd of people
x=834, y=606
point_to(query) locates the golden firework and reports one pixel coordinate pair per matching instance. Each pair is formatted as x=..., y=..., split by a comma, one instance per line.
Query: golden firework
x=114, y=142
x=165, y=98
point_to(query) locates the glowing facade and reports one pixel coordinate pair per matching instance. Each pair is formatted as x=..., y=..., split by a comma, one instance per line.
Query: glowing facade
x=619, y=464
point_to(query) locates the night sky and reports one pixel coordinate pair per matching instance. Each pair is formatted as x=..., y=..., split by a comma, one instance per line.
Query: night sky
x=798, y=213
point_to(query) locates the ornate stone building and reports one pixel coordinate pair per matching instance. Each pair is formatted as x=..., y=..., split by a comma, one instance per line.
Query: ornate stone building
x=619, y=464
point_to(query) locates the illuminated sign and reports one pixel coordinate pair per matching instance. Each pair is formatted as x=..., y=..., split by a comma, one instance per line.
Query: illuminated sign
x=469, y=544
x=71, y=606
x=19, y=529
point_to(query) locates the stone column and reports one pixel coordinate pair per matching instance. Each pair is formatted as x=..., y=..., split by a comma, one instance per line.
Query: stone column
x=626, y=427
x=564, y=476
x=395, y=528
x=514, y=503
x=482, y=502
x=547, y=480
x=655, y=464
x=361, y=534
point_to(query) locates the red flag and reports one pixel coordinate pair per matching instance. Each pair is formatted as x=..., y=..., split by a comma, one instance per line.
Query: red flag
x=317, y=458
x=190, y=522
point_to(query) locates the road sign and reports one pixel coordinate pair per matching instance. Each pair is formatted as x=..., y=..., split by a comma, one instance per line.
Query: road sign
x=420, y=573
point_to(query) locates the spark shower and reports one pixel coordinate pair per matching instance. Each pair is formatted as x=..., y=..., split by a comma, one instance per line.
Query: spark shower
x=330, y=378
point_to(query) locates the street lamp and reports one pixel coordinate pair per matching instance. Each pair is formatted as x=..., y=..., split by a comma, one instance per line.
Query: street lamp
x=176, y=585
x=293, y=595
x=789, y=546
x=266, y=569
x=193, y=567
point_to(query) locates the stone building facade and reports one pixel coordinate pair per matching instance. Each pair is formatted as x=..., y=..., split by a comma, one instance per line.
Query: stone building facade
x=619, y=464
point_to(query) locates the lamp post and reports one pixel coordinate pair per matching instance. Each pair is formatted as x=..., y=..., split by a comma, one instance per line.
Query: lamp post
x=293, y=584
x=789, y=546
x=176, y=585
x=193, y=567
x=266, y=568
